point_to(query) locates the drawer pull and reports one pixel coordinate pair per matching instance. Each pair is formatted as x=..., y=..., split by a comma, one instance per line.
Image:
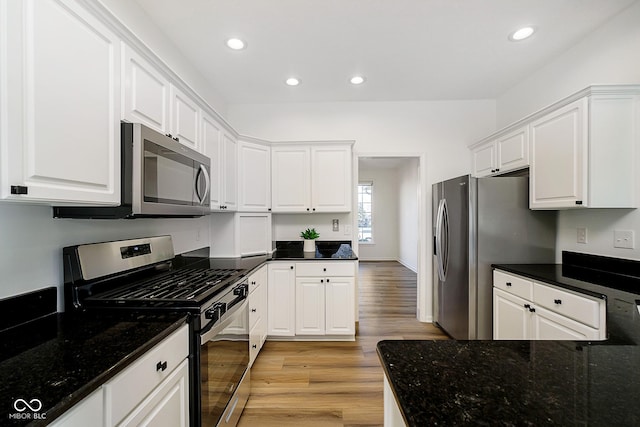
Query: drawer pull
x=253, y=283
x=254, y=346
x=161, y=366
x=557, y=301
x=527, y=306
x=327, y=280
x=324, y=269
x=508, y=284
x=532, y=310
x=253, y=310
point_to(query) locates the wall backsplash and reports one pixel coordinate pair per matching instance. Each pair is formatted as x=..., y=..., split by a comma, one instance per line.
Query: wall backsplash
x=289, y=226
x=600, y=225
x=31, y=242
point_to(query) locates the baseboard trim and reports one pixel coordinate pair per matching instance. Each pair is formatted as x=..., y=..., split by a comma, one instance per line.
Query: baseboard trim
x=410, y=267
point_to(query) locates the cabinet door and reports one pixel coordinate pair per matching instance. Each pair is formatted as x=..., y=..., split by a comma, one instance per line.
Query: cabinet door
x=512, y=150
x=559, y=158
x=331, y=179
x=229, y=167
x=254, y=177
x=167, y=405
x=511, y=319
x=257, y=319
x=254, y=233
x=146, y=92
x=550, y=326
x=281, y=300
x=290, y=179
x=484, y=159
x=185, y=119
x=339, y=306
x=62, y=96
x=211, y=134
x=310, y=306
x=89, y=412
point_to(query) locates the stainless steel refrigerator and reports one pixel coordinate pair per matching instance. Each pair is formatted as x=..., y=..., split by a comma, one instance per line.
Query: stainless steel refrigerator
x=478, y=222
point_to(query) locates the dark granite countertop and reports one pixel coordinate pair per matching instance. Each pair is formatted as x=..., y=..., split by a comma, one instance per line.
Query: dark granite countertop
x=509, y=383
x=325, y=250
x=61, y=358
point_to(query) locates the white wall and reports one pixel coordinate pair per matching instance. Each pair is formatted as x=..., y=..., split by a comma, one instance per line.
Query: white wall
x=385, y=214
x=610, y=55
x=408, y=181
x=289, y=226
x=439, y=130
x=138, y=22
x=31, y=242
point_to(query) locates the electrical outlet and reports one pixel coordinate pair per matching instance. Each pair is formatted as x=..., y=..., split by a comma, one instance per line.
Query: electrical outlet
x=347, y=230
x=582, y=235
x=623, y=239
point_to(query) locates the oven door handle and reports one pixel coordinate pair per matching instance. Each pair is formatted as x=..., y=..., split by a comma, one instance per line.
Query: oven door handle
x=212, y=329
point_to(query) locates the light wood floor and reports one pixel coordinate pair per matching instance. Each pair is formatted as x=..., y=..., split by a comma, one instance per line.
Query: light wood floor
x=338, y=383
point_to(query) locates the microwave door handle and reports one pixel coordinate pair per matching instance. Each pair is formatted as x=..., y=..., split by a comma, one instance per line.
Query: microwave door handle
x=202, y=170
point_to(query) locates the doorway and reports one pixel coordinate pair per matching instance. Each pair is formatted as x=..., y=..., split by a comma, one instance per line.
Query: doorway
x=395, y=228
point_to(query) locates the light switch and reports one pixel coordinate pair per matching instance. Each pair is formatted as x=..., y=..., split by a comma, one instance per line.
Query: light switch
x=582, y=235
x=623, y=239
x=336, y=225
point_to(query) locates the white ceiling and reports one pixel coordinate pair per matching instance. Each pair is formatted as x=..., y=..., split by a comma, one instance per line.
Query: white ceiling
x=407, y=49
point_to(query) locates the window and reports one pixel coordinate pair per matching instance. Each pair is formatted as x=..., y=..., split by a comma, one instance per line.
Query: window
x=365, y=205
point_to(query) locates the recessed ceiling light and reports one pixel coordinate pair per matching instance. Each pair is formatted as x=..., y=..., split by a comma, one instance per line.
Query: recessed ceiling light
x=236, y=44
x=521, y=34
x=292, y=81
x=357, y=80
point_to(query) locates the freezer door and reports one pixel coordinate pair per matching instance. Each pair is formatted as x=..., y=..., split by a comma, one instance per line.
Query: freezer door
x=451, y=259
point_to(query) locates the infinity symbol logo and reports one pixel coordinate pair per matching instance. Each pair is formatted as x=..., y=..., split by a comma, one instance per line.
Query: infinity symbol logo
x=21, y=405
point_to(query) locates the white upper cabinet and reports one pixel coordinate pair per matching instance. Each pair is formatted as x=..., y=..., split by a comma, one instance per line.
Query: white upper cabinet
x=584, y=153
x=558, y=157
x=185, y=119
x=331, y=178
x=291, y=178
x=484, y=159
x=211, y=135
x=229, y=172
x=512, y=150
x=311, y=178
x=60, y=131
x=254, y=177
x=506, y=153
x=145, y=92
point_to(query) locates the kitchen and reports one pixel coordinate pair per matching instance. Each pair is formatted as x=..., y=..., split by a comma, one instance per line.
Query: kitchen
x=604, y=55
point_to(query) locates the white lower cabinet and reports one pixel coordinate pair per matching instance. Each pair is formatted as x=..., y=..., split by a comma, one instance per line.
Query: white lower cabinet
x=89, y=412
x=550, y=313
x=155, y=384
x=257, y=312
x=152, y=391
x=392, y=414
x=281, y=299
x=312, y=299
x=325, y=297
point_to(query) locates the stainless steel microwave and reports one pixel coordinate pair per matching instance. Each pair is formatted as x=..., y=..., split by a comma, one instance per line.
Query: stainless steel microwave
x=160, y=178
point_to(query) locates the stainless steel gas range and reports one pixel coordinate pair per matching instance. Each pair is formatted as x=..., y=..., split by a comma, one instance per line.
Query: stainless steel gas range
x=144, y=274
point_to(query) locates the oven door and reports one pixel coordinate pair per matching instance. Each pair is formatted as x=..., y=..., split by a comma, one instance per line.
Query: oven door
x=224, y=363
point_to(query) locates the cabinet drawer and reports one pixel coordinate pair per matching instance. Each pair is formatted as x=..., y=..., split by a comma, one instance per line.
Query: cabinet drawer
x=513, y=284
x=131, y=386
x=323, y=269
x=574, y=306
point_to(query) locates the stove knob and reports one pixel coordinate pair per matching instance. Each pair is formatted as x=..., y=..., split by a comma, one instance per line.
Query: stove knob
x=240, y=290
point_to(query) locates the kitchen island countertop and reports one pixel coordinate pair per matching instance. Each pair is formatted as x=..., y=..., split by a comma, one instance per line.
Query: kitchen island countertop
x=513, y=382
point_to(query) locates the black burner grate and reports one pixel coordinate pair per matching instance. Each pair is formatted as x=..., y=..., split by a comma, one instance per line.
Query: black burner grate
x=185, y=284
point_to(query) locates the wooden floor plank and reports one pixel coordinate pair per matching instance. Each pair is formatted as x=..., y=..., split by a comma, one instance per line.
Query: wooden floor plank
x=338, y=384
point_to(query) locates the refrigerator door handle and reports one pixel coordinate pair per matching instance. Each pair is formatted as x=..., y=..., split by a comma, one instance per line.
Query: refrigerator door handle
x=445, y=241
x=441, y=252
